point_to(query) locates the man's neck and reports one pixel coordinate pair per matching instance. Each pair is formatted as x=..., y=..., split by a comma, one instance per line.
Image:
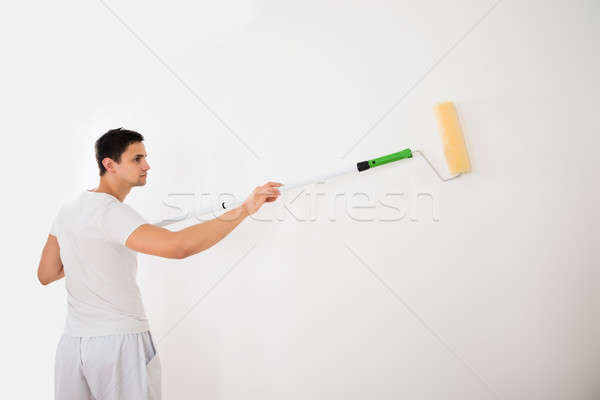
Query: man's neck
x=118, y=191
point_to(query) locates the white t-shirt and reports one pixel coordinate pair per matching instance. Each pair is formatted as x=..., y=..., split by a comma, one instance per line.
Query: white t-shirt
x=100, y=271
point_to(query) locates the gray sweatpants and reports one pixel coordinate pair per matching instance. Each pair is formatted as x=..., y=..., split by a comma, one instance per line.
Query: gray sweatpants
x=112, y=367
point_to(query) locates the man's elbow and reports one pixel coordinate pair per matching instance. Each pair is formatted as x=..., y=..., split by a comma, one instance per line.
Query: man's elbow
x=180, y=253
x=179, y=249
x=47, y=278
x=42, y=280
x=185, y=246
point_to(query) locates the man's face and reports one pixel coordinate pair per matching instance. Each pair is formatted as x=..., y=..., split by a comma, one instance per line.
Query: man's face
x=133, y=167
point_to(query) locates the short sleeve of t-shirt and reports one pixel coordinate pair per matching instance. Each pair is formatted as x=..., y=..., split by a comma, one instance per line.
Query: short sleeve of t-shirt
x=119, y=221
x=54, y=226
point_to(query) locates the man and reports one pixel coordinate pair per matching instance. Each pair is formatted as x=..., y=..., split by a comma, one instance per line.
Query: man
x=106, y=350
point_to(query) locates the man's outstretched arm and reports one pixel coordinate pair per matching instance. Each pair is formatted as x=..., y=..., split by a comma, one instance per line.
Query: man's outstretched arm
x=51, y=266
x=154, y=240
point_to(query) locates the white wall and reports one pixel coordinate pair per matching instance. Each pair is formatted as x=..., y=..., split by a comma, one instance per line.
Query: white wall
x=496, y=299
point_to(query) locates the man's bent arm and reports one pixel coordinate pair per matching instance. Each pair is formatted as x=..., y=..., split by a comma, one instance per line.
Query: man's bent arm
x=51, y=266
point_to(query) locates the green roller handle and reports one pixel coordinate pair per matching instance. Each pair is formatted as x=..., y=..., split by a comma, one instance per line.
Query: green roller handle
x=406, y=153
x=376, y=162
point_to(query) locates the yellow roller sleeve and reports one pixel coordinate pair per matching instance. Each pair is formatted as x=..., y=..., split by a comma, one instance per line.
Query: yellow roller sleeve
x=452, y=138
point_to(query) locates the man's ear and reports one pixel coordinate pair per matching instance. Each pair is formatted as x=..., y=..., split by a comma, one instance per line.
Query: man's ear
x=108, y=164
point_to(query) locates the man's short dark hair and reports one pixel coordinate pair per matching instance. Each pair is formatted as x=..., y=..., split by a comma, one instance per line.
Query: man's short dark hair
x=113, y=144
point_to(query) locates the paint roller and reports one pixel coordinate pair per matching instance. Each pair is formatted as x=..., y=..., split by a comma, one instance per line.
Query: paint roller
x=455, y=151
